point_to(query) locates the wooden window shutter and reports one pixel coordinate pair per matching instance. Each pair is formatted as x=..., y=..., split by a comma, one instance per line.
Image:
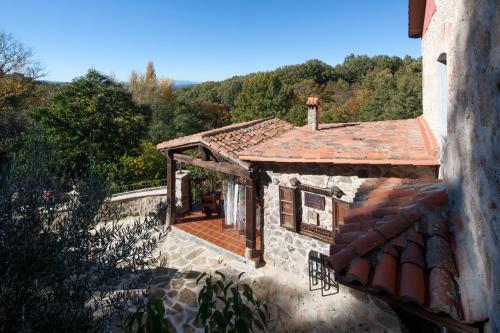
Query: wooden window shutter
x=288, y=208
x=339, y=211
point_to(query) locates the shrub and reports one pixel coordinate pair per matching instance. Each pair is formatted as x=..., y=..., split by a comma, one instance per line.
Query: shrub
x=149, y=318
x=228, y=307
x=61, y=251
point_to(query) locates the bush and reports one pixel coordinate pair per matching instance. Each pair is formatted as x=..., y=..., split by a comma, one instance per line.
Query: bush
x=229, y=307
x=61, y=251
x=149, y=318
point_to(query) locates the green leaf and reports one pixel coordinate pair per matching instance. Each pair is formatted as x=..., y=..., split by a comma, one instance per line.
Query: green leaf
x=241, y=326
x=201, y=277
x=221, y=322
x=262, y=316
x=222, y=275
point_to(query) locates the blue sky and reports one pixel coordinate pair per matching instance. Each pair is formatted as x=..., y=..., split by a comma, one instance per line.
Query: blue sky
x=202, y=40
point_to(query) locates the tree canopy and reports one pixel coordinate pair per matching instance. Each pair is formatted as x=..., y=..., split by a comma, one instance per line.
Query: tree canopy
x=93, y=121
x=362, y=88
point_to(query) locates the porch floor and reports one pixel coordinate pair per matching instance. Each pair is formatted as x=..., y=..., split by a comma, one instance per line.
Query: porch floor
x=209, y=228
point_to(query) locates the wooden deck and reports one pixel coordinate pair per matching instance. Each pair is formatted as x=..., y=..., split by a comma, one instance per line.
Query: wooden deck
x=209, y=228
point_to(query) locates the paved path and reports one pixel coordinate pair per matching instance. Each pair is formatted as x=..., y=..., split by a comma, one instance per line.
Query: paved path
x=293, y=307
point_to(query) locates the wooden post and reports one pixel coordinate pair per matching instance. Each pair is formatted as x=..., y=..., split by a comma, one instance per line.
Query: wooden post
x=170, y=189
x=251, y=207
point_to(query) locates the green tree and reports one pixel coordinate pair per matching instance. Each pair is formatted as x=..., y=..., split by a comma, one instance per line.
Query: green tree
x=93, y=120
x=406, y=102
x=262, y=95
x=380, y=85
x=147, y=164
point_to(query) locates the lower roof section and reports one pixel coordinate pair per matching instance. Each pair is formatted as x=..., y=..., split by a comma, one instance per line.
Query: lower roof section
x=393, y=142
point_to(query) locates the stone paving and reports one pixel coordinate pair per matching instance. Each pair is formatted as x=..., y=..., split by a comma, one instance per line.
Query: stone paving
x=293, y=307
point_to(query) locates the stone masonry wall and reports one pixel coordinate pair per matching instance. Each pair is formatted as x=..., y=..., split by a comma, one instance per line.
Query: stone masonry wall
x=140, y=206
x=469, y=31
x=286, y=249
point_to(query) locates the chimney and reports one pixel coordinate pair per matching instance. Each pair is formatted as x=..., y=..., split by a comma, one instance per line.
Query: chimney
x=312, y=113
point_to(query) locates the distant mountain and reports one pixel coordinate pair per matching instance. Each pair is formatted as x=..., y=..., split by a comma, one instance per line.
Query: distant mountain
x=178, y=84
x=184, y=83
x=55, y=83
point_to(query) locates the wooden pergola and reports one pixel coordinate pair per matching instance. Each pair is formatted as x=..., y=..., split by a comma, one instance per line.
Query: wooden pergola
x=209, y=159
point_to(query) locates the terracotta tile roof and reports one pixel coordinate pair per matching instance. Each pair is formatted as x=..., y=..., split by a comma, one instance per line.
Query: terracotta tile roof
x=228, y=141
x=396, y=241
x=312, y=101
x=394, y=142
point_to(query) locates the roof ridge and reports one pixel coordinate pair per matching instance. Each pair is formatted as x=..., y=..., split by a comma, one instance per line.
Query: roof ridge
x=235, y=127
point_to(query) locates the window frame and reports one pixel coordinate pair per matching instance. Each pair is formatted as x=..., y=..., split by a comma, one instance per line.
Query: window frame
x=293, y=203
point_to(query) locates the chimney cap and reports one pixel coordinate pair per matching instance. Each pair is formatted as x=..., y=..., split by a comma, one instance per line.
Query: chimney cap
x=312, y=101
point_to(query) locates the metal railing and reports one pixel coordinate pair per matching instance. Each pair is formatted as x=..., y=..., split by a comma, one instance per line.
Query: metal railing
x=138, y=186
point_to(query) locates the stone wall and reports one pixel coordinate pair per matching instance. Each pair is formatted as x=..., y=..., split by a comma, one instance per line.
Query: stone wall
x=286, y=249
x=469, y=31
x=143, y=204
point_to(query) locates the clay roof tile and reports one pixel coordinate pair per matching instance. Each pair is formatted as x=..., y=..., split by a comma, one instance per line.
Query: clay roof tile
x=342, y=259
x=401, y=244
x=384, y=278
x=415, y=236
x=368, y=242
x=439, y=254
x=443, y=293
x=413, y=253
x=412, y=284
x=359, y=271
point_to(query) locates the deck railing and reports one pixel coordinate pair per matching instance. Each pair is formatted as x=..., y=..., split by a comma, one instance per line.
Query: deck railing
x=138, y=186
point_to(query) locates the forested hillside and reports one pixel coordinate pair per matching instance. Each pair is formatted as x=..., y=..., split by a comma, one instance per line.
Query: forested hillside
x=362, y=88
x=96, y=123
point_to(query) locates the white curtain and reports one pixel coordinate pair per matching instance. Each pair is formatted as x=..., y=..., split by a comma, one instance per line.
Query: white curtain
x=234, y=203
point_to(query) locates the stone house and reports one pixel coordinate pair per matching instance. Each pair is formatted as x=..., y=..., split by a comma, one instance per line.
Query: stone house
x=404, y=210
x=293, y=185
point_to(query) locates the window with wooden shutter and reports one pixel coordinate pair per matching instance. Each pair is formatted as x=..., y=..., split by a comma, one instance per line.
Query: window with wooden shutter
x=339, y=211
x=288, y=209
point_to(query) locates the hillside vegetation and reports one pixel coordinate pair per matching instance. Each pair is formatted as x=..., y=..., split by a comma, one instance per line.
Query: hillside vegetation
x=362, y=88
x=99, y=124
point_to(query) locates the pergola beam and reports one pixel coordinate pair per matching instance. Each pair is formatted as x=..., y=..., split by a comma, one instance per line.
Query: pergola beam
x=223, y=167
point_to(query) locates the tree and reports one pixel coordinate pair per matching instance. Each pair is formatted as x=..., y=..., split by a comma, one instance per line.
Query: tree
x=17, y=68
x=147, y=164
x=18, y=90
x=157, y=96
x=147, y=89
x=406, y=102
x=62, y=250
x=262, y=95
x=380, y=85
x=93, y=120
